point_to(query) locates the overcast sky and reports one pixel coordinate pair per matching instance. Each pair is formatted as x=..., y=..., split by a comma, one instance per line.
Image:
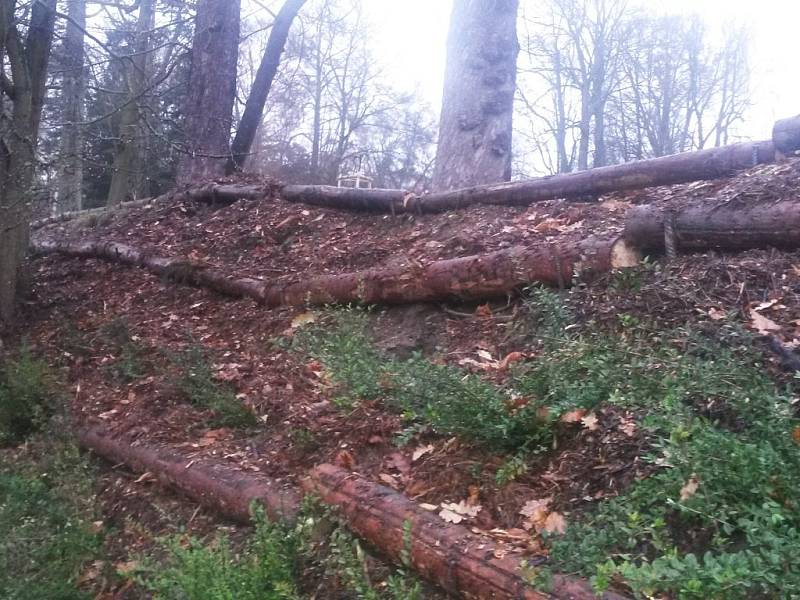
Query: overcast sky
x=410, y=38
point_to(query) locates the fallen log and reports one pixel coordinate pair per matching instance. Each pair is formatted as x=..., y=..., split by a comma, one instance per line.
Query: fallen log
x=786, y=135
x=469, y=278
x=451, y=556
x=214, y=485
x=90, y=212
x=176, y=269
x=475, y=277
x=731, y=226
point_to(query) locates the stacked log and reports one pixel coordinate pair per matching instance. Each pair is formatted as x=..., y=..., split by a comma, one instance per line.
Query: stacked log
x=731, y=226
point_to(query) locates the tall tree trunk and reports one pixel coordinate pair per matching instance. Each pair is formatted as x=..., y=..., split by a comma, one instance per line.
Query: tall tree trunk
x=125, y=174
x=254, y=109
x=70, y=177
x=18, y=135
x=212, y=90
x=477, y=107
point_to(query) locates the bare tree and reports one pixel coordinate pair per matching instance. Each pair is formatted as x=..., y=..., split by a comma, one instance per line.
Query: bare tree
x=254, y=109
x=477, y=107
x=212, y=90
x=23, y=94
x=73, y=90
x=125, y=171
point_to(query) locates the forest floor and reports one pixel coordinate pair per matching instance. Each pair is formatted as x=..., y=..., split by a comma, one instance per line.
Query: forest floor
x=637, y=429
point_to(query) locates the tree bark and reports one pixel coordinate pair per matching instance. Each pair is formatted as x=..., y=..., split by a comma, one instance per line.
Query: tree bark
x=786, y=135
x=477, y=106
x=733, y=226
x=212, y=90
x=481, y=276
x=215, y=485
x=70, y=179
x=125, y=171
x=451, y=556
x=254, y=109
x=25, y=91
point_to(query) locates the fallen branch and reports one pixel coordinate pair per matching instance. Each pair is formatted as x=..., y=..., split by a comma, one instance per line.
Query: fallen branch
x=450, y=556
x=732, y=226
x=90, y=212
x=495, y=274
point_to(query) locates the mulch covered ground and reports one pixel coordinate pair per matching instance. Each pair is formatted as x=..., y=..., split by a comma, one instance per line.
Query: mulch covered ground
x=73, y=306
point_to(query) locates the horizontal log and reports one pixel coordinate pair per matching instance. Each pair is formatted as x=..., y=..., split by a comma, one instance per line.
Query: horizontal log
x=215, y=485
x=490, y=275
x=90, y=212
x=786, y=135
x=731, y=226
x=177, y=269
x=451, y=556
x=481, y=276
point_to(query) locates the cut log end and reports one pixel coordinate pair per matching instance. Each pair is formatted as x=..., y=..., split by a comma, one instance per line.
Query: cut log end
x=625, y=255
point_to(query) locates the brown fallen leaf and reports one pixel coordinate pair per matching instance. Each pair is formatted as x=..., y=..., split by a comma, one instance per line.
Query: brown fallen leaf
x=345, y=460
x=456, y=512
x=421, y=451
x=591, y=422
x=510, y=358
x=389, y=480
x=555, y=523
x=762, y=324
x=628, y=427
x=796, y=435
x=573, y=416
x=690, y=488
x=716, y=314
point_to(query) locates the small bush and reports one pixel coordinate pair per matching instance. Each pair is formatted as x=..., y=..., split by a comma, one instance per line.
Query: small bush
x=197, y=384
x=25, y=397
x=45, y=525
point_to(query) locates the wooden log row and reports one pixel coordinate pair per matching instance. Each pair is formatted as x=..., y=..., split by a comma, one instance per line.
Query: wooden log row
x=494, y=274
x=450, y=556
x=731, y=226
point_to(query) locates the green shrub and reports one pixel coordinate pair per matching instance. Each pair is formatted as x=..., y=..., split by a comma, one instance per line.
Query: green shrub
x=45, y=526
x=129, y=365
x=25, y=397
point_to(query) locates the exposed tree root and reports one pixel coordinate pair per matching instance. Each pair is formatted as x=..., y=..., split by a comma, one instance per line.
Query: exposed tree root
x=450, y=556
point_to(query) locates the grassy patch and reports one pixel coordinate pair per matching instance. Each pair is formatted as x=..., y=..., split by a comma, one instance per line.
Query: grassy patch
x=26, y=399
x=196, y=382
x=45, y=524
x=130, y=363
x=719, y=516
x=277, y=562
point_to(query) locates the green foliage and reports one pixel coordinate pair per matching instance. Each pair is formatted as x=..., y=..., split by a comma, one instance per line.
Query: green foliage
x=511, y=469
x=735, y=535
x=25, y=397
x=129, y=365
x=263, y=570
x=45, y=526
x=445, y=397
x=197, y=384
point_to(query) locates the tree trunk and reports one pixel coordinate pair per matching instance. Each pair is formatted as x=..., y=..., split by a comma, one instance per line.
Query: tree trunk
x=254, y=109
x=25, y=90
x=212, y=90
x=125, y=171
x=481, y=276
x=217, y=486
x=732, y=226
x=786, y=135
x=451, y=556
x=477, y=106
x=69, y=196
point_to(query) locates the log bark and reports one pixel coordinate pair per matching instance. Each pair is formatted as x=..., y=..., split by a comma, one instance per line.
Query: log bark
x=214, y=485
x=450, y=556
x=471, y=277
x=732, y=226
x=177, y=269
x=786, y=135
x=490, y=275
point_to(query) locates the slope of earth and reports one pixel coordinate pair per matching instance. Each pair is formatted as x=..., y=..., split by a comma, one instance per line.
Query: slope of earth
x=520, y=418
